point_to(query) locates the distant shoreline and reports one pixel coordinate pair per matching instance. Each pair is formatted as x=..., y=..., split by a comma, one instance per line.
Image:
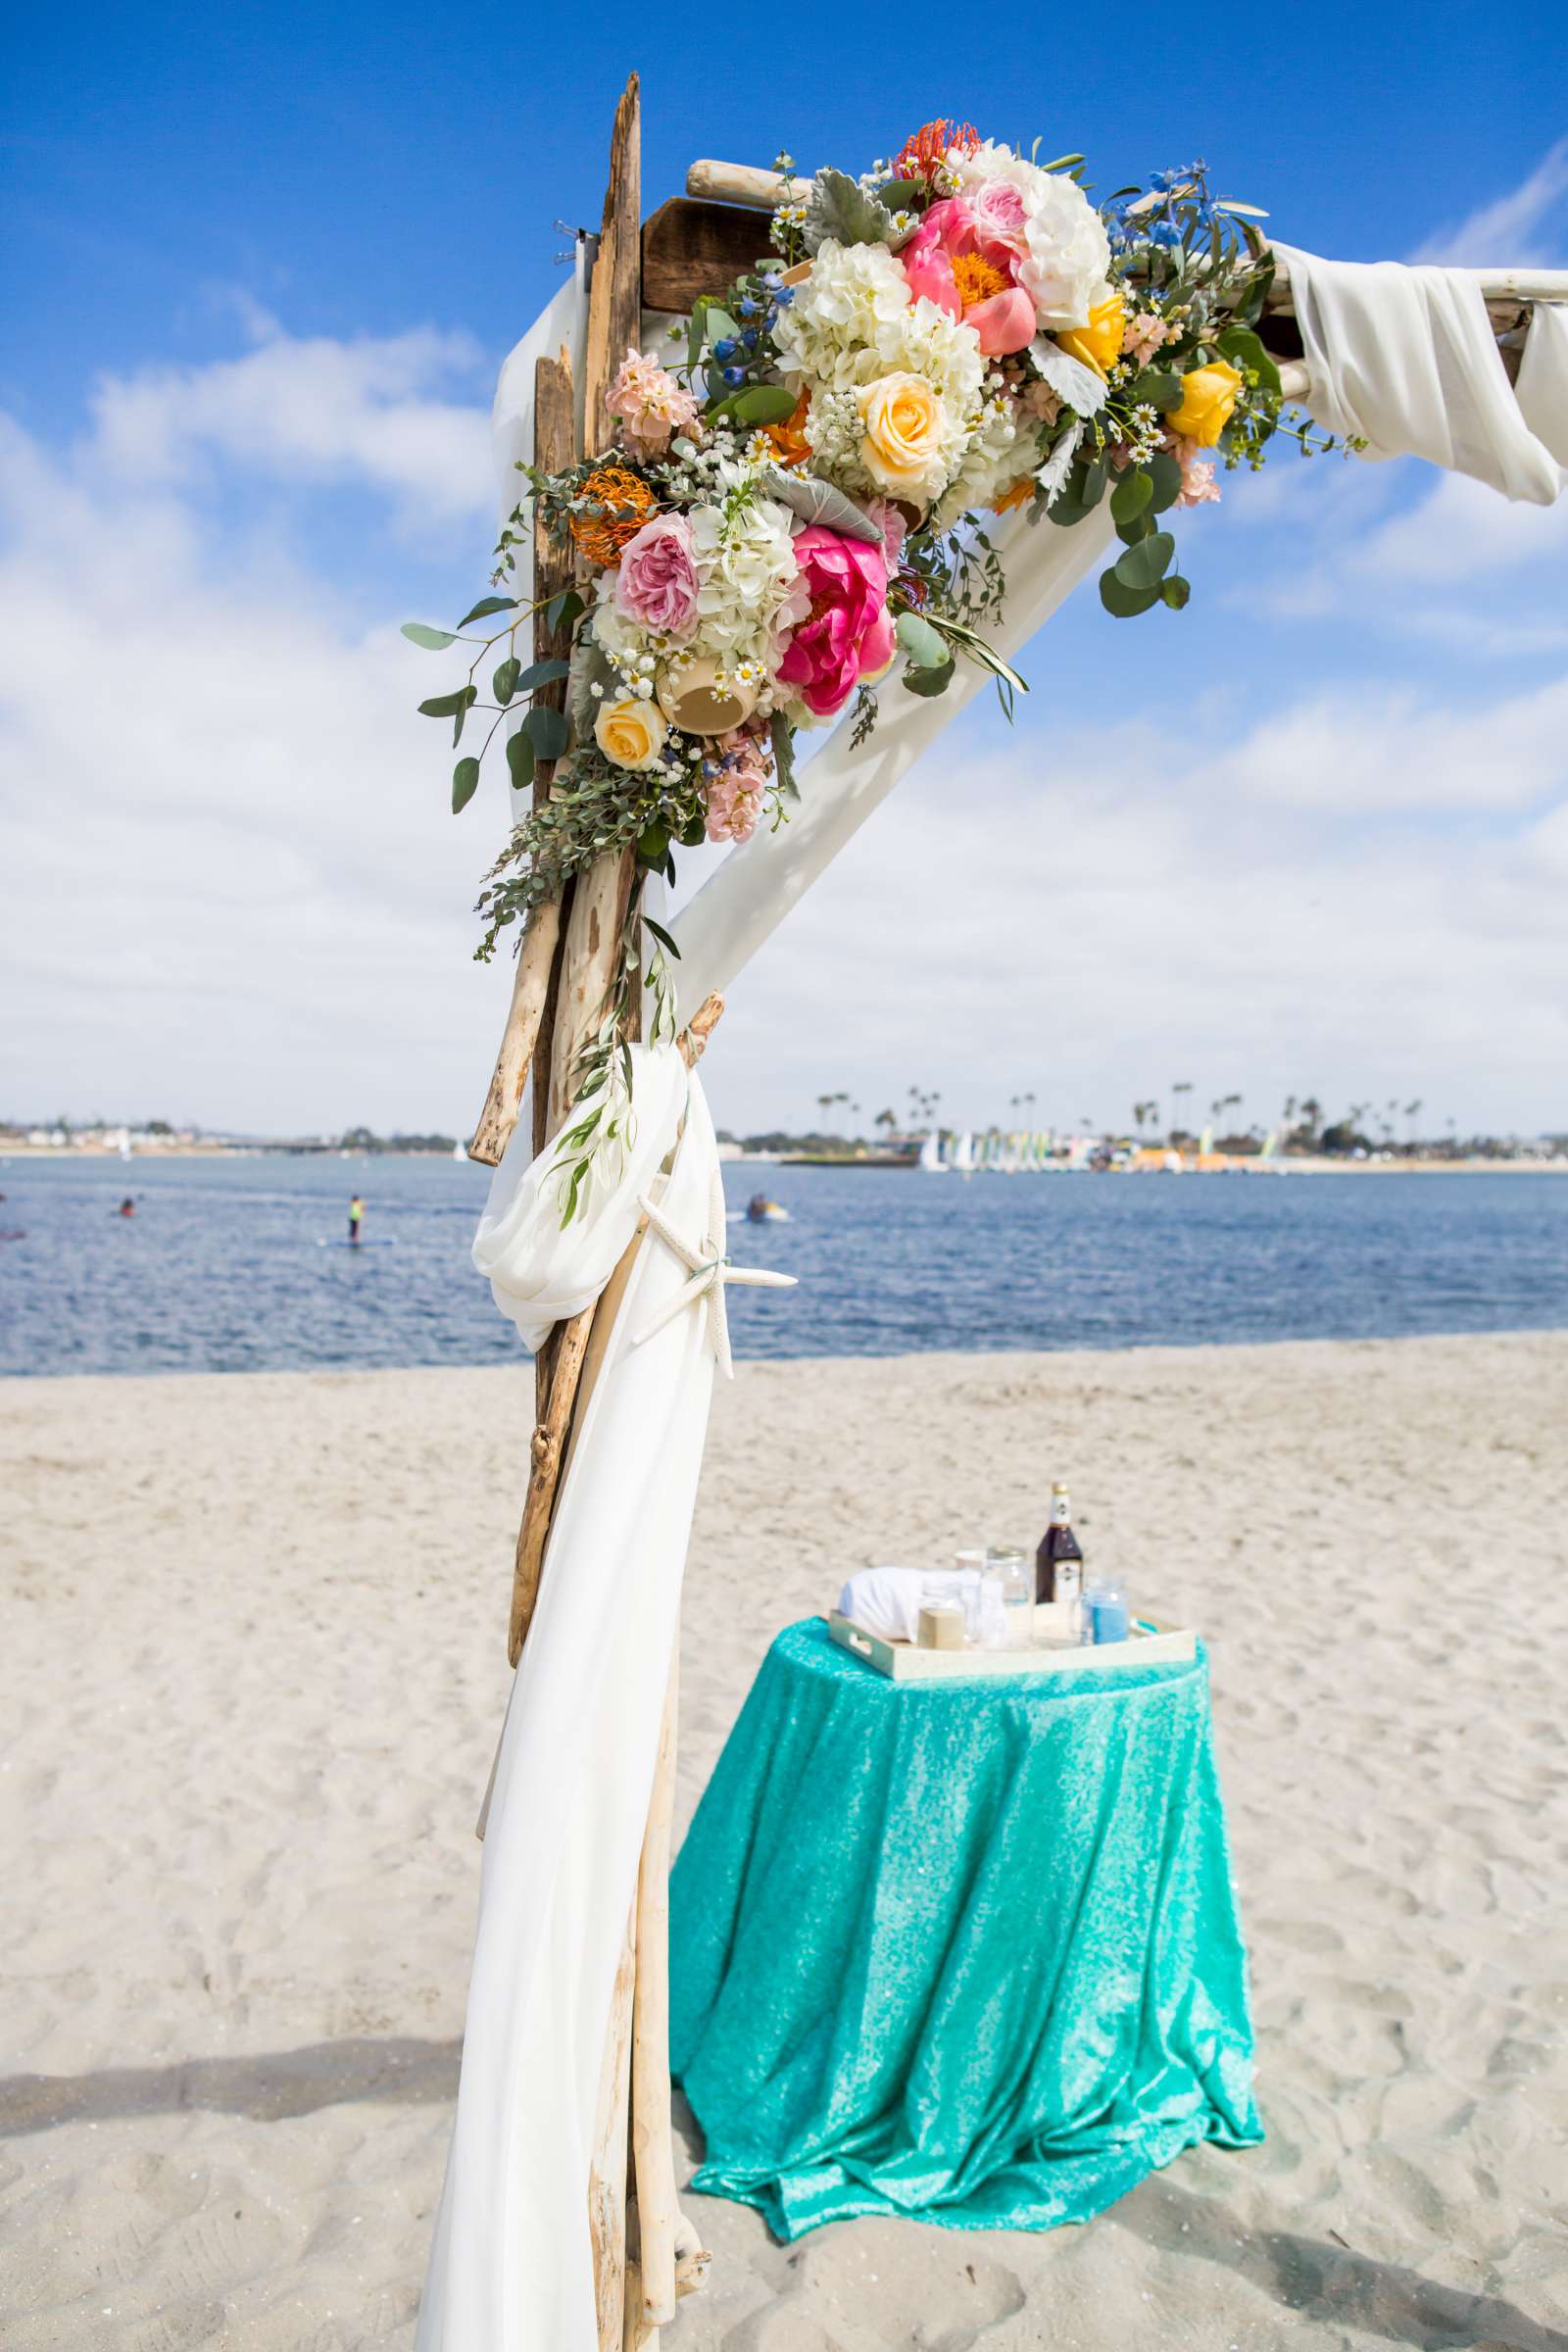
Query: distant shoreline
x=1298, y=1164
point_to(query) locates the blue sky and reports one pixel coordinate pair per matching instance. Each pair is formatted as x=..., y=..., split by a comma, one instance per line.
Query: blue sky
x=259, y=275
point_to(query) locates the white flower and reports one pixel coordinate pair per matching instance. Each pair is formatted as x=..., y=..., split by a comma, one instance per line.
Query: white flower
x=845, y=323
x=1066, y=253
x=997, y=455
x=750, y=595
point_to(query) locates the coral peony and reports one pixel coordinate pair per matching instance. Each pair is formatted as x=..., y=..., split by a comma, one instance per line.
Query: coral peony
x=848, y=633
x=652, y=405
x=947, y=262
x=658, y=585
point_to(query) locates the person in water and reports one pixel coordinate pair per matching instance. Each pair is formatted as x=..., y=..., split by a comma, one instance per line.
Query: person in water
x=356, y=1212
x=127, y=1208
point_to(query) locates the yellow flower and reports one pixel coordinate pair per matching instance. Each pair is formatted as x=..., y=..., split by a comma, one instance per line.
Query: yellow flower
x=1209, y=395
x=903, y=419
x=1099, y=344
x=630, y=732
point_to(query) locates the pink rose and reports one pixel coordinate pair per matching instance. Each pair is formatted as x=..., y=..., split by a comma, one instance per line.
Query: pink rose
x=848, y=633
x=656, y=584
x=944, y=261
x=996, y=206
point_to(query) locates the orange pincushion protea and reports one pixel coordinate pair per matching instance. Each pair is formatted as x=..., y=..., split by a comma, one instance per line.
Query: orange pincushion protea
x=623, y=504
x=919, y=157
x=789, y=438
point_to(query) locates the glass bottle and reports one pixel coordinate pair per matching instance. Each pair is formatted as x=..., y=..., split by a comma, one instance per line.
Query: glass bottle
x=1059, y=1559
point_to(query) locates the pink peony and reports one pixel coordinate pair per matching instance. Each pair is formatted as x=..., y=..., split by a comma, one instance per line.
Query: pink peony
x=948, y=263
x=652, y=405
x=1198, y=486
x=657, y=585
x=848, y=633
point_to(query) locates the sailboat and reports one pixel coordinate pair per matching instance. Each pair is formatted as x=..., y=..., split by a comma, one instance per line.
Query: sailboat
x=931, y=1159
x=460, y=1150
x=963, y=1153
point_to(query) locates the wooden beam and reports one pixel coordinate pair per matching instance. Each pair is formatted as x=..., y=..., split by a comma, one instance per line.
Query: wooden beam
x=555, y=447
x=615, y=290
x=742, y=183
x=691, y=248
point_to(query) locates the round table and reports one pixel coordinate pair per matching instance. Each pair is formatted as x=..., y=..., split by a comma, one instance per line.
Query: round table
x=965, y=1949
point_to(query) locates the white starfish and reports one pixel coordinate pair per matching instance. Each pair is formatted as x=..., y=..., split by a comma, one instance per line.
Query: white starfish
x=707, y=1271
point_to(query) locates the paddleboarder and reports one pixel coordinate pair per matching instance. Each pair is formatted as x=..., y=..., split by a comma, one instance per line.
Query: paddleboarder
x=356, y=1212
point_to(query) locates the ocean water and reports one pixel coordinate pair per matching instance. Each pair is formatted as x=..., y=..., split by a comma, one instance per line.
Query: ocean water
x=234, y=1265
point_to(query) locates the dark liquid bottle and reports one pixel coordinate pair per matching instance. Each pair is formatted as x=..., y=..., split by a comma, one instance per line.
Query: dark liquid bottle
x=1059, y=1561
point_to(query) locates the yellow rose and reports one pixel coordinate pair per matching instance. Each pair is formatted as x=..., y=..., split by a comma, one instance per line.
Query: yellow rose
x=630, y=732
x=1209, y=395
x=1099, y=344
x=903, y=419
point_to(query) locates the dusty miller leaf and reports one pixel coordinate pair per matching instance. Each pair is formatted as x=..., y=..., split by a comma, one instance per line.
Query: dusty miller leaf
x=818, y=502
x=1080, y=387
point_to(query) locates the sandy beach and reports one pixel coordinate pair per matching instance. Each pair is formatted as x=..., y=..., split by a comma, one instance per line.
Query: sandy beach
x=255, y=1668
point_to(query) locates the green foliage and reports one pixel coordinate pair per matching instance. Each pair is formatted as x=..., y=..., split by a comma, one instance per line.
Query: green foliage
x=465, y=783
x=434, y=640
x=520, y=759
x=839, y=207
x=923, y=644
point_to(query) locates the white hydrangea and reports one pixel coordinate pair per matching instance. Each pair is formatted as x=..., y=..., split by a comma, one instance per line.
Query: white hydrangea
x=1065, y=262
x=1000, y=451
x=845, y=323
x=751, y=594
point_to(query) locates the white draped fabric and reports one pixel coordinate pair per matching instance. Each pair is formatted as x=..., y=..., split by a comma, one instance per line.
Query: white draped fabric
x=1408, y=359
x=511, y=2269
x=1402, y=356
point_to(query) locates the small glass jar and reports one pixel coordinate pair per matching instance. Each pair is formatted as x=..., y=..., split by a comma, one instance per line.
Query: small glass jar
x=1016, y=1574
x=1107, y=1615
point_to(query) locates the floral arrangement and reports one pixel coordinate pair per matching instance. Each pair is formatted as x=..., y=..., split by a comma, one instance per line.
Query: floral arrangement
x=801, y=499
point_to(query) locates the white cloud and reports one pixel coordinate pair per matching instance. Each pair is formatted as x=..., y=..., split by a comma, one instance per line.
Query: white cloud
x=374, y=411
x=1522, y=227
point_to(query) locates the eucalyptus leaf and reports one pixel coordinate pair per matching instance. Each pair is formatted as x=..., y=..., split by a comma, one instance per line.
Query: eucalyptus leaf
x=1242, y=347
x=1160, y=388
x=542, y=673
x=465, y=783
x=504, y=681
x=1164, y=481
x=817, y=501
x=563, y=609
x=652, y=842
x=839, y=207
x=921, y=642
x=1145, y=566
x=1131, y=496
x=520, y=759
x=1175, y=591
x=782, y=735
x=488, y=605
x=1124, y=603
x=549, y=730
x=1142, y=526
x=446, y=706
x=930, y=681
x=1079, y=387
x=434, y=640
x=763, y=404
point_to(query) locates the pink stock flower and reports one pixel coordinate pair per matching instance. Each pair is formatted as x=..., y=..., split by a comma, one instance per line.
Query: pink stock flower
x=657, y=585
x=735, y=785
x=847, y=632
x=970, y=279
x=996, y=209
x=1145, y=333
x=651, y=405
x=1198, y=486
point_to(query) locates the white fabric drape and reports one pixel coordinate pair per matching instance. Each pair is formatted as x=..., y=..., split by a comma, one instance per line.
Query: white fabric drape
x=511, y=2269
x=1408, y=359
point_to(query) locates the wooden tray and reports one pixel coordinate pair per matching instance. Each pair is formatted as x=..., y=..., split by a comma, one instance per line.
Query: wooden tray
x=905, y=1663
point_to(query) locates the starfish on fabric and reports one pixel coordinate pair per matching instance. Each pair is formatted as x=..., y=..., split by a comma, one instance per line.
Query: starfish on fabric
x=707, y=1271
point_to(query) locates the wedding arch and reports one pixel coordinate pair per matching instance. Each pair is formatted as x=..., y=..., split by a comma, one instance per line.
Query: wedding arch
x=603, y=1237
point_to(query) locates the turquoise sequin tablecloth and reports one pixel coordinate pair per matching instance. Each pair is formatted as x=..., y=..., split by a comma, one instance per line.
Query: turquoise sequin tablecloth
x=966, y=1950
